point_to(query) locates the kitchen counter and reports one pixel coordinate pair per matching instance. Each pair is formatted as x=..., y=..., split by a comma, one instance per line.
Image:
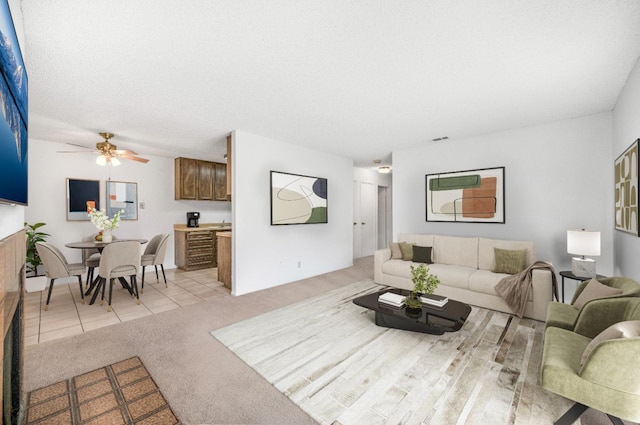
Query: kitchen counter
x=203, y=226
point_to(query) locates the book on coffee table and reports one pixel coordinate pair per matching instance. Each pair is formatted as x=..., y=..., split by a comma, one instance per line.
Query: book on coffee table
x=390, y=298
x=434, y=300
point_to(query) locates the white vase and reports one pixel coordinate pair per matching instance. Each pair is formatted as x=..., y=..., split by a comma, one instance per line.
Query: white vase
x=106, y=235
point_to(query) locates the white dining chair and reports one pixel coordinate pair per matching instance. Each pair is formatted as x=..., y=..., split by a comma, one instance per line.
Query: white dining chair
x=56, y=267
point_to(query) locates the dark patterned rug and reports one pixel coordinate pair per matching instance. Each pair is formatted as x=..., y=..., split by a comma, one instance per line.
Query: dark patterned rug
x=121, y=393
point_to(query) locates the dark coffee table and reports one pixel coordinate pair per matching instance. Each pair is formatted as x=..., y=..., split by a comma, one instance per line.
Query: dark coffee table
x=430, y=320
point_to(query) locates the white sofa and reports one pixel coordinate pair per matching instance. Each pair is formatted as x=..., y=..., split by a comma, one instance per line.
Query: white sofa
x=465, y=269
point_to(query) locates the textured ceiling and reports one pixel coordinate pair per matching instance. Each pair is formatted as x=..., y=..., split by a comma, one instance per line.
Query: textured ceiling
x=358, y=78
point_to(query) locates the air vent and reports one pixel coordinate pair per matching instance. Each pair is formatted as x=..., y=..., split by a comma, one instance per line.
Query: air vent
x=441, y=139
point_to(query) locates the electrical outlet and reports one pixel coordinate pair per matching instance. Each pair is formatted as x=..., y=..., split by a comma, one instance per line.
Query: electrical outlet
x=142, y=205
x=299, y=264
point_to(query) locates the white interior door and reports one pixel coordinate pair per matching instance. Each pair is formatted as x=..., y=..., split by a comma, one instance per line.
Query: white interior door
x=368, y=221
x=356, y=219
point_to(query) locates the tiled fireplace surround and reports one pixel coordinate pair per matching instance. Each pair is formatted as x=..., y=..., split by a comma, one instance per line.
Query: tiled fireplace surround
x=12, y=263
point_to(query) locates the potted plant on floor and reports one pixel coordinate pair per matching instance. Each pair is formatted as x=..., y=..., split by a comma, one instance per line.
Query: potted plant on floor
x=423, y=283
x=34, y=282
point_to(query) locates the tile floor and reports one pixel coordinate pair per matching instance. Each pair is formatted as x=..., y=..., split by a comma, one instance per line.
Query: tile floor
x=68, y=316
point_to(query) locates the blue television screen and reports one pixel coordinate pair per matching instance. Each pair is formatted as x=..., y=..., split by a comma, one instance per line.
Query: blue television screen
x=13, y=122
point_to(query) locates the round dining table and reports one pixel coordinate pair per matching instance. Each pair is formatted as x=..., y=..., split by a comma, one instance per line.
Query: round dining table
x=99, y=245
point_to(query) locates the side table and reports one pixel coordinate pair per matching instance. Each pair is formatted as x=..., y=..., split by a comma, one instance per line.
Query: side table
x=569, y=275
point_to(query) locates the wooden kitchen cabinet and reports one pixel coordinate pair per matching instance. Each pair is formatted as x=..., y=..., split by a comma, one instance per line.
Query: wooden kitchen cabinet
x=200, y=180
x=220, y=182
x=186, y=176
x=195, y=249
x=206, y=173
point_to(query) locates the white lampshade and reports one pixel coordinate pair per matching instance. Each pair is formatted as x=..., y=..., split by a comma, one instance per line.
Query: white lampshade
x=583, y=242
x=115, y=161
x=101, y=160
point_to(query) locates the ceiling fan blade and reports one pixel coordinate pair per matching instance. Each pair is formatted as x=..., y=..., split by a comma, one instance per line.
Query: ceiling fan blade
x=73, y=152
x=80, y=146
x=134, y=158
x=124, y=152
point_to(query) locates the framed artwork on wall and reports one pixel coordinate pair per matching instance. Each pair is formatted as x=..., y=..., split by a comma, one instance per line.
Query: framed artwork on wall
x=472, y=196
x=80, y=195
x=122, y=196
x=626, y=190
x=298, y=199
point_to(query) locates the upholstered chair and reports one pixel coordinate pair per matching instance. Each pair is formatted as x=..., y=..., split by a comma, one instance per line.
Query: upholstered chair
x=596, y=363
x=561, y=315
x=118, y=261
x=90, y=258
x=56, y=267
x=154, y=255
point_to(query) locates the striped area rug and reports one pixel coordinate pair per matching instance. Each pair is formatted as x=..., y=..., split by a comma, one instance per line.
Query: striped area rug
x=121, y=393
x=327, y=355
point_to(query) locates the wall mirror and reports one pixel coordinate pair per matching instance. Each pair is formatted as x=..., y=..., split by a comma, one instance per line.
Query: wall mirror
x=79, y=192
x=122, y=196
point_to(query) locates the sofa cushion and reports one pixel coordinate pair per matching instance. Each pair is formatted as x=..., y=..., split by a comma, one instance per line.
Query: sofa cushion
x=510, y=261
x=452, y=275
x=422, y=254
x=593, y=290
x=396, y=268
x=627, y=329
x=407, y=251
x=455, y=251
x=486, y=255
x=396, y=253
x=416, y=239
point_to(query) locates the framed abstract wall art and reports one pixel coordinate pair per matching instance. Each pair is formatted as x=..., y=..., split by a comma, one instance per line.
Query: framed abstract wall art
x=298, y=199
x=626, y=190
x=80, y=195
x=472, y=196
x=122, y=196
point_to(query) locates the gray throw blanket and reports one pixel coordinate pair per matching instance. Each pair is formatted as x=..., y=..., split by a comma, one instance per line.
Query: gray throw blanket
x=515, y=288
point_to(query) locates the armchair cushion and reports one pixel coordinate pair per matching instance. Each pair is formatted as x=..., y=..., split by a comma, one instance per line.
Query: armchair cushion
x=594, y=290
x=627, y=329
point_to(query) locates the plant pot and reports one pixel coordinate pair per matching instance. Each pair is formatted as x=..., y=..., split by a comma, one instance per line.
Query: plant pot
x=35, y=283
x=413, y=301
x=106, y=236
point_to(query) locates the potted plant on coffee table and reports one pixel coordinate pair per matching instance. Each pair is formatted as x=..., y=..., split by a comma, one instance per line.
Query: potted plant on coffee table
x=423, y=283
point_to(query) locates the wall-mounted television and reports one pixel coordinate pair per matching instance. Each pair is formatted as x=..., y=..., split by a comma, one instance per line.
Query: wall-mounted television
x=13, y=118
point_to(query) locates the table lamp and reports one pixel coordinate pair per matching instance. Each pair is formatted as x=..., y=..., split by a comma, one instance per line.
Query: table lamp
x=583, y=242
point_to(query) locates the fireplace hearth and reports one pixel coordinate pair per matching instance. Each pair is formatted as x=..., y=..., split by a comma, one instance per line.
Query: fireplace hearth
x=12, y=277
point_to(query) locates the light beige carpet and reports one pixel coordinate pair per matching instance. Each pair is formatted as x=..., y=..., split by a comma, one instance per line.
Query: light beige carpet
x=202, y=380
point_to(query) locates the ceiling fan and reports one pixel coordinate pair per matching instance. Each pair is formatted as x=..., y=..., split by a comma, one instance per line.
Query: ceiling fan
x=109, y=153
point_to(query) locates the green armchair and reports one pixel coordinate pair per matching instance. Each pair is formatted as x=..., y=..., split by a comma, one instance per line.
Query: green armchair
x=560, y=315
x=608, y=378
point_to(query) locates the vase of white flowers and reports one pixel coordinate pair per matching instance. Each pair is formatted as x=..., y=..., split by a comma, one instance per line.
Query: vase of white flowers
x=104, y=224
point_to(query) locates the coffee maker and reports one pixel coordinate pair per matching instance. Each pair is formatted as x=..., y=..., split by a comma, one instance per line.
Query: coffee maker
x=192, y=219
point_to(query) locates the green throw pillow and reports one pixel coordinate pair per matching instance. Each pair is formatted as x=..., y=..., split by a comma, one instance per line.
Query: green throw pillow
x=407, y=251
x=422, y=254
x=510, y=261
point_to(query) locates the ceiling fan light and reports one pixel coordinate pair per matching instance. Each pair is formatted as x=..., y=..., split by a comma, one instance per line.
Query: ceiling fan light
x=101, y=160
x=115, y=161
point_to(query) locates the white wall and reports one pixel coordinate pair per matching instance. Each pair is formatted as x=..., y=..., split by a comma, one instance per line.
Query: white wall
x=626, y=129
x=558, y=177
x=265, y=256
x=48, y=173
